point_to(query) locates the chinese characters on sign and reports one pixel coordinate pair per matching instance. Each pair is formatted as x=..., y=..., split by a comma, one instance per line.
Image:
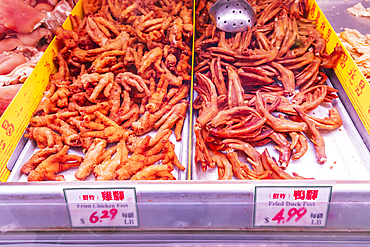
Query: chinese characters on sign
x=115, y=195
x=112, y=207
x=351, y=78
x=291, y=206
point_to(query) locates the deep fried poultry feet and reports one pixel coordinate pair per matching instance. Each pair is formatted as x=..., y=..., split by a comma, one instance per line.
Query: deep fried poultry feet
x=267, y=83
x=122, y=70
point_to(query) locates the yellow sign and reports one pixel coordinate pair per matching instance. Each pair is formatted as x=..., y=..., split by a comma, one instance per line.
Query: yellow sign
x=352, y=80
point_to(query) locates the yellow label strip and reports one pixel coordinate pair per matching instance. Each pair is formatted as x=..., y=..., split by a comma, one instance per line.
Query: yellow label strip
x=352, y=80
x=16, y=117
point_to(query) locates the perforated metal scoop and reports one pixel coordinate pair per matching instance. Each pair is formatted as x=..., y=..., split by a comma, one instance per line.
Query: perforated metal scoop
x=232, y=15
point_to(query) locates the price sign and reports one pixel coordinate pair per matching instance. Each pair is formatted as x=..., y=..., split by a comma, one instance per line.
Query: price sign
x=291, y=206
x=108, y=207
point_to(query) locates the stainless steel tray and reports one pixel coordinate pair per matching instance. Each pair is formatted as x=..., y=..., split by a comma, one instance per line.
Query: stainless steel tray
x=181, y=150
x=346, y=152
x=348, y=148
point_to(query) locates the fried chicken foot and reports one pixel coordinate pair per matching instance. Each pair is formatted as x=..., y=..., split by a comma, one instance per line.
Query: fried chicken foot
x=105, y=83
x=86, y=142
x=156, y=99
x=180, y=94
x=45, y=137
x=37, y=158
x=105, y=170
x=151, y=171
x=176, y=114
x=159, y=145
x=107, y=62
x=67, y=38
x=91, y=159
x=170, y=157
x=95, y=33
x=147, y=121
x=112, y=132
x=54, y=164
x=43, y=121
x=154, y=56
x=118, y=43
x=128, y=79
x=137, y=161
x=70, y=136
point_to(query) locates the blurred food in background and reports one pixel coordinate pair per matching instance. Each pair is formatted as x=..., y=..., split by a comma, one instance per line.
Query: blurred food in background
x=26, y=29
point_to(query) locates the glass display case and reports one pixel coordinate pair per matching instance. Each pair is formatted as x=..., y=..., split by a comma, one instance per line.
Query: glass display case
x=198, y=210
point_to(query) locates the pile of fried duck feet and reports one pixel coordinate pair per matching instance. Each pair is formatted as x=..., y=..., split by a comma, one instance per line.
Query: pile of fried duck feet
x=123, y=71
x=259, y=86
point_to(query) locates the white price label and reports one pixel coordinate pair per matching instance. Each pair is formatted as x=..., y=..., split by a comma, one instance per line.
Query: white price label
x=289, y=206
x=106, y=207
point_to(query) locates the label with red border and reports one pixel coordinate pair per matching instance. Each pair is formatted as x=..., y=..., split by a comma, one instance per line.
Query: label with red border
x=291, y=206
x=102, y=207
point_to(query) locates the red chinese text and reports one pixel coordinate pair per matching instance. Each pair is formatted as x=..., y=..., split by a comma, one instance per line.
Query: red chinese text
x=327, y=37
x=305, y=194
x=322, y=27
x=2, y=145
x=47, y=66
x=118, y=195
x=8, y=127
x=361, y=85
x=313, y=9
x=311, y=194
x=113, y=196
x=343, y=60
x=54, y=52
x=352, y=74
x=88, y=197
x=278, y=196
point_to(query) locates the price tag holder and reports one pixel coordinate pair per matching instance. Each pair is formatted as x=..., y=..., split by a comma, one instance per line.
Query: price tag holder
x=291, y=206
x=102, y=207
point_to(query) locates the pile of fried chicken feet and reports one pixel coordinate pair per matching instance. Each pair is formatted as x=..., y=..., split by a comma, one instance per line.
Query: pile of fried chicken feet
x=259, y=86
x=123, y=71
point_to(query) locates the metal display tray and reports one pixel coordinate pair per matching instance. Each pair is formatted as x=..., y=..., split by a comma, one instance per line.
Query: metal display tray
x=346, y=152
x=347, y=148
x=30, y=147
